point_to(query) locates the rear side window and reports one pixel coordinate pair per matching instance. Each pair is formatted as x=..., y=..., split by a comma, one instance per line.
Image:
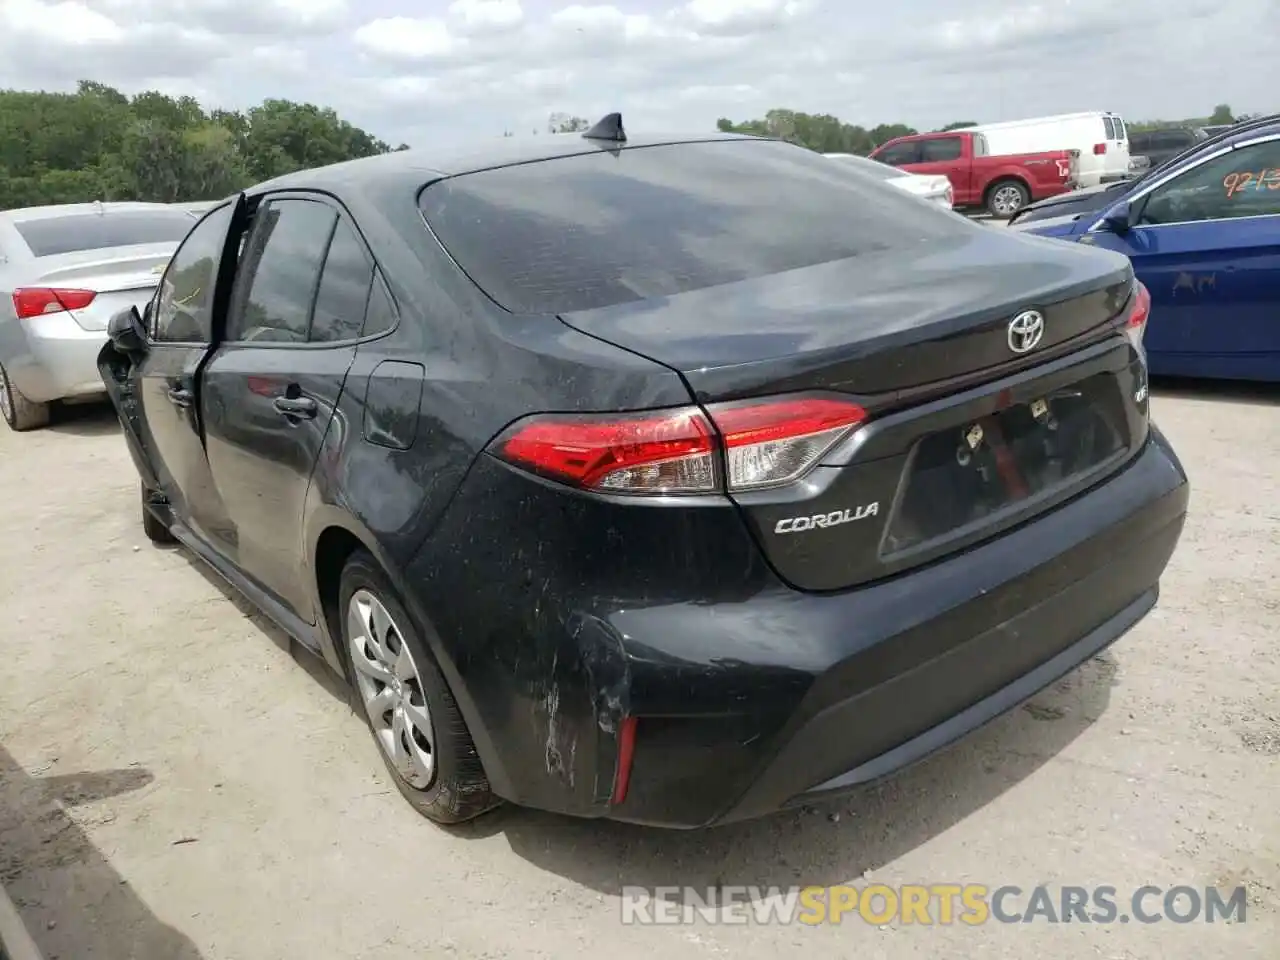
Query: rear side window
x=52, y=236
x=940, y=151
x=381, y=314
x=344, y=288
x=1121, y=133
x=1109, y=128
x=598, y=229
x=280, y=271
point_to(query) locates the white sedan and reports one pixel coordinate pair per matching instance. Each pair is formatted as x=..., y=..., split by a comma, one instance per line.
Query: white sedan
x=931, y=186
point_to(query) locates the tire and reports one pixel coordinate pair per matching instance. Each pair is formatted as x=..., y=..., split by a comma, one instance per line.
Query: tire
x=20, y=413
x=457, y=789
x=156, y=531
x=1007, y=197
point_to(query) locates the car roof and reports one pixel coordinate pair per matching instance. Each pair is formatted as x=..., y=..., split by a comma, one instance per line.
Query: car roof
x=435, y=163
x=27, y=214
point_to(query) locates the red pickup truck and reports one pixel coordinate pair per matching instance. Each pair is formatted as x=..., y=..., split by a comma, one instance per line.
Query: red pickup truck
x=1003, y=185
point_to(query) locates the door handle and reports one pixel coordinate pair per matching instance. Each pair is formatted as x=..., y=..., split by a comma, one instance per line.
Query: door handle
x=180, y=397
x=303, y=407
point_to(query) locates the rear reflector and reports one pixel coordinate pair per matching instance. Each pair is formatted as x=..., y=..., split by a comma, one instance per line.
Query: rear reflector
x=34, y=301
x=1139, y=312
x=626, y=755
x=765, y=443
x=1099, y=149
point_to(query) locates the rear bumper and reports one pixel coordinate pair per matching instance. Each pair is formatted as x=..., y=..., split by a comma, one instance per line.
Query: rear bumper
x=51, y=357
x=767, y=697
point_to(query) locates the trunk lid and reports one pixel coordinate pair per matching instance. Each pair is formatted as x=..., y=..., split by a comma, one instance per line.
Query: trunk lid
x=964, y=438
x=121, y=277
x=879, y=324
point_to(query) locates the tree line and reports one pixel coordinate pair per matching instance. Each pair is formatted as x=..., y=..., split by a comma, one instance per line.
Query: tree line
x=98, y=144
x=828, y=134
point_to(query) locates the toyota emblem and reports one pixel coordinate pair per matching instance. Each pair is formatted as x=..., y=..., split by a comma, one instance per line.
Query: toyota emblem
x=1025, y=331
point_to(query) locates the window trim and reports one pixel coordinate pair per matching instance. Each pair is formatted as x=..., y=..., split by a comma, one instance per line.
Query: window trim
x=1142, y=195
x=329, y=200
x=152, y=341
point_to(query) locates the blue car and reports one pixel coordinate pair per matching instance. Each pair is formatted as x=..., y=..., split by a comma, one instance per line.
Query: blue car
x=1203, y=234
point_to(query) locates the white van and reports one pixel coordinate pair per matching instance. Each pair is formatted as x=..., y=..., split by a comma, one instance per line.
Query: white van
x=1100, y=137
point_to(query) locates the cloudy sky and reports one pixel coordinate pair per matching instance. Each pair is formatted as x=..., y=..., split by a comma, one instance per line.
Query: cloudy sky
x=417, y=70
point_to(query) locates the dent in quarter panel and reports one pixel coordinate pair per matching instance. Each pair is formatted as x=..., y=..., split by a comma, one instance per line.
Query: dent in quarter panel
x=391, y=404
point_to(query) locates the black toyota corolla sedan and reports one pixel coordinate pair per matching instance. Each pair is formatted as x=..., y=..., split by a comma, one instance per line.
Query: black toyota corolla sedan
x=671, y=480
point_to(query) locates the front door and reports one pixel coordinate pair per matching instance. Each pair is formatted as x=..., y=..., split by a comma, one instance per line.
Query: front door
x=1207, y=246
x=179, y=336
x=273, y=385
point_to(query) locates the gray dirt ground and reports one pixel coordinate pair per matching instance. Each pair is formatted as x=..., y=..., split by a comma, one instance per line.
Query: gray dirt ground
x=139, y=707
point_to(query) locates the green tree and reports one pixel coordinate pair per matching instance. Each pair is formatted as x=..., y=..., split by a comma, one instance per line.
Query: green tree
x=565, y=123
x=1221, y=114
x=822, y=132
x=97, y=143
x=958, y=125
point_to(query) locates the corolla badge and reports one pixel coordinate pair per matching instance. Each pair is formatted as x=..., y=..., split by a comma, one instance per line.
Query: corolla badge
x=1025, y=331
x=821, y=521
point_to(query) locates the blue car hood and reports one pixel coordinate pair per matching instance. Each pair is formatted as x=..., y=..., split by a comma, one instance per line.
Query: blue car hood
x=1062, y=227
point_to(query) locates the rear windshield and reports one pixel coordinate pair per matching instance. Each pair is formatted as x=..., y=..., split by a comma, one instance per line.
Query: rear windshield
x=92, y=231
x=599, y=229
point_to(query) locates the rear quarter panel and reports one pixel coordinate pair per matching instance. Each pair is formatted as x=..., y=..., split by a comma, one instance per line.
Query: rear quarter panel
x=421, y=401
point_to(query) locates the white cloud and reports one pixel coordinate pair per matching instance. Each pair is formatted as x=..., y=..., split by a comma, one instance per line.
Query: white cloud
x=405, y=39
x=486, y=16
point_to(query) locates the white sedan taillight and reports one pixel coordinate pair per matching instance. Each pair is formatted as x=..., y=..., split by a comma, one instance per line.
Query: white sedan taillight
x=730, y=447
x=1135, y=325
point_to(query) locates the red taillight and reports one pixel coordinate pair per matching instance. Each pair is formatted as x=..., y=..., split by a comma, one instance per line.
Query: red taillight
x=34, y=301
x=626, y=753
x=765, y=444
x=1099, y=149
x=666, y=451
x=1139, y=312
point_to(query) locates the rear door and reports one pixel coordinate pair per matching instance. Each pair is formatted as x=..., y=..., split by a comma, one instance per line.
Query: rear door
x=271, y=389
x=1207, y=246
x=165, y=378
x=944, y=155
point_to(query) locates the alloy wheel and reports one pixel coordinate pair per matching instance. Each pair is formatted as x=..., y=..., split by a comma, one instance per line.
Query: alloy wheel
x=1007, y=200
x=390, y=688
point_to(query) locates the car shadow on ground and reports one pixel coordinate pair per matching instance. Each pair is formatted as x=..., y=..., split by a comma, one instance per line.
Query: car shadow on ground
x=836, y=842
x=1225, y=391
x=71, y=899
x=84, y=419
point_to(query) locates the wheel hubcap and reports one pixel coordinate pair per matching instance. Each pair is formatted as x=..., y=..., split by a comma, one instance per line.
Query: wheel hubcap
x=390, y=687
x=1008, y=199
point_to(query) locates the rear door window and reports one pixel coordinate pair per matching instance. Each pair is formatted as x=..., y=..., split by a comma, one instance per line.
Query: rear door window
x=51, y=236
x=601, y=228
x=941, y=150
x=1109, y=128
x=280, y=271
